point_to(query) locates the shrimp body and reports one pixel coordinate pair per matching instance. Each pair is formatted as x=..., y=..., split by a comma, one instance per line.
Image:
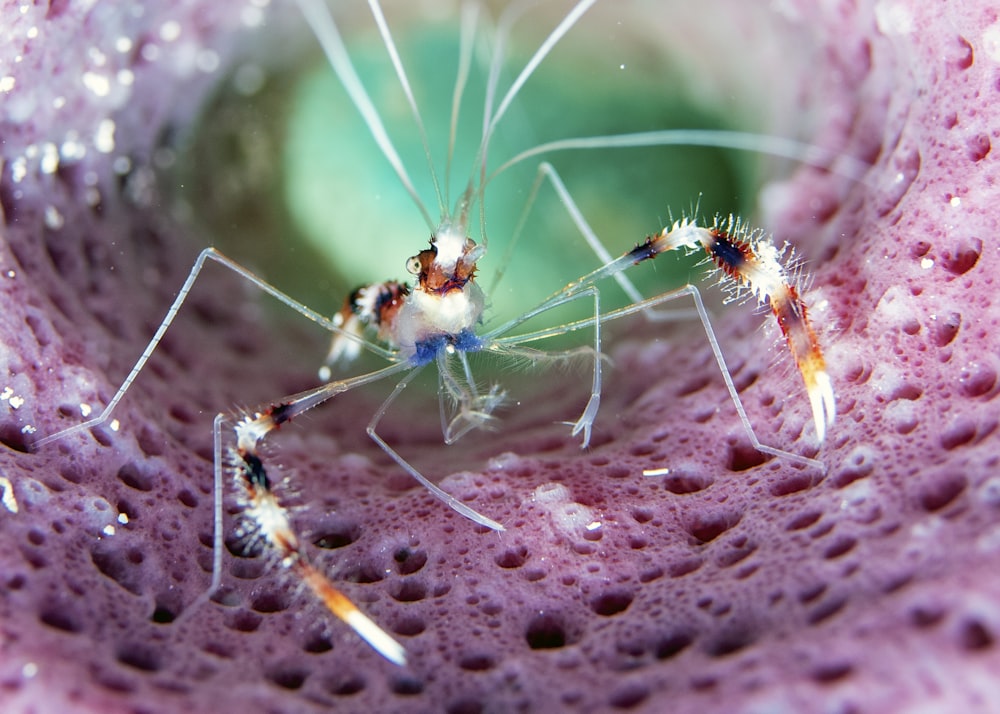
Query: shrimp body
x=441, y=311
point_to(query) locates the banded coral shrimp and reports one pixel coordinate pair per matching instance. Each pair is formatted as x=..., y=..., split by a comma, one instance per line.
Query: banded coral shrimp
x=473, y=409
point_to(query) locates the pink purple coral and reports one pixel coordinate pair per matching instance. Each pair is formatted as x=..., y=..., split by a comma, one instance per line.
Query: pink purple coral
x=732, y=584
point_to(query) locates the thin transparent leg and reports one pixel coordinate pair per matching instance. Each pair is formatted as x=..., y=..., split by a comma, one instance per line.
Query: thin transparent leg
x=641, y=307
x=569, y=294
x=271, y=521
x=290, y=407
x=547, y=171
x=436, y=490
x=471, y=409
x=206, y=255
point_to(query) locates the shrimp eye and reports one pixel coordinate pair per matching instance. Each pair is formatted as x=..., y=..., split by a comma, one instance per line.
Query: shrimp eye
x=413, y=265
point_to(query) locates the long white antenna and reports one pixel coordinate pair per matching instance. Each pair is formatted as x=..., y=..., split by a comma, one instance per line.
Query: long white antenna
x=470, y=17
x=390, y=46
x=540, y=54
x=318, y=16
x=491, y=118
x=810, y=154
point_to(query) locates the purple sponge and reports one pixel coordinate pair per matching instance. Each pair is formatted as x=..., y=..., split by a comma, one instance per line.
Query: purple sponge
x=734, y=583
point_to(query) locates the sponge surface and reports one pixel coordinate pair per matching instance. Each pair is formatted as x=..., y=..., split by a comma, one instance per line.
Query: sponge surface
x=733, y=583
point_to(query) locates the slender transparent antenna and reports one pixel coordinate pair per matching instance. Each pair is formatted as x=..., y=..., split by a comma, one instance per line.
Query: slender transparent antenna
x=507, y=19
x=840, y=164
x=470, y=18
x=496, y=42
x=217, y=507
x=490, y=121
x=557, y=34
x=500, y=34
x=390, y=46
x=318, y=16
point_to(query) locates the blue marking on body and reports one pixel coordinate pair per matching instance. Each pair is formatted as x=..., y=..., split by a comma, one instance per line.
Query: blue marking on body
x=467, y=341
x=428, y=349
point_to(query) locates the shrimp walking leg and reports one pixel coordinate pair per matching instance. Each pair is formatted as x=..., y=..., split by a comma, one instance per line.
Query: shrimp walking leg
x=449, y=500
x=209, y=254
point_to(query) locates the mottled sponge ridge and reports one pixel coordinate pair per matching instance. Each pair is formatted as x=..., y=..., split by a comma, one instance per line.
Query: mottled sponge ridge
x=733, y=583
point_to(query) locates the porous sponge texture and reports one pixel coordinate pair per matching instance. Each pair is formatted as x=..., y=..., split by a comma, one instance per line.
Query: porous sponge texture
x=732, y=583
